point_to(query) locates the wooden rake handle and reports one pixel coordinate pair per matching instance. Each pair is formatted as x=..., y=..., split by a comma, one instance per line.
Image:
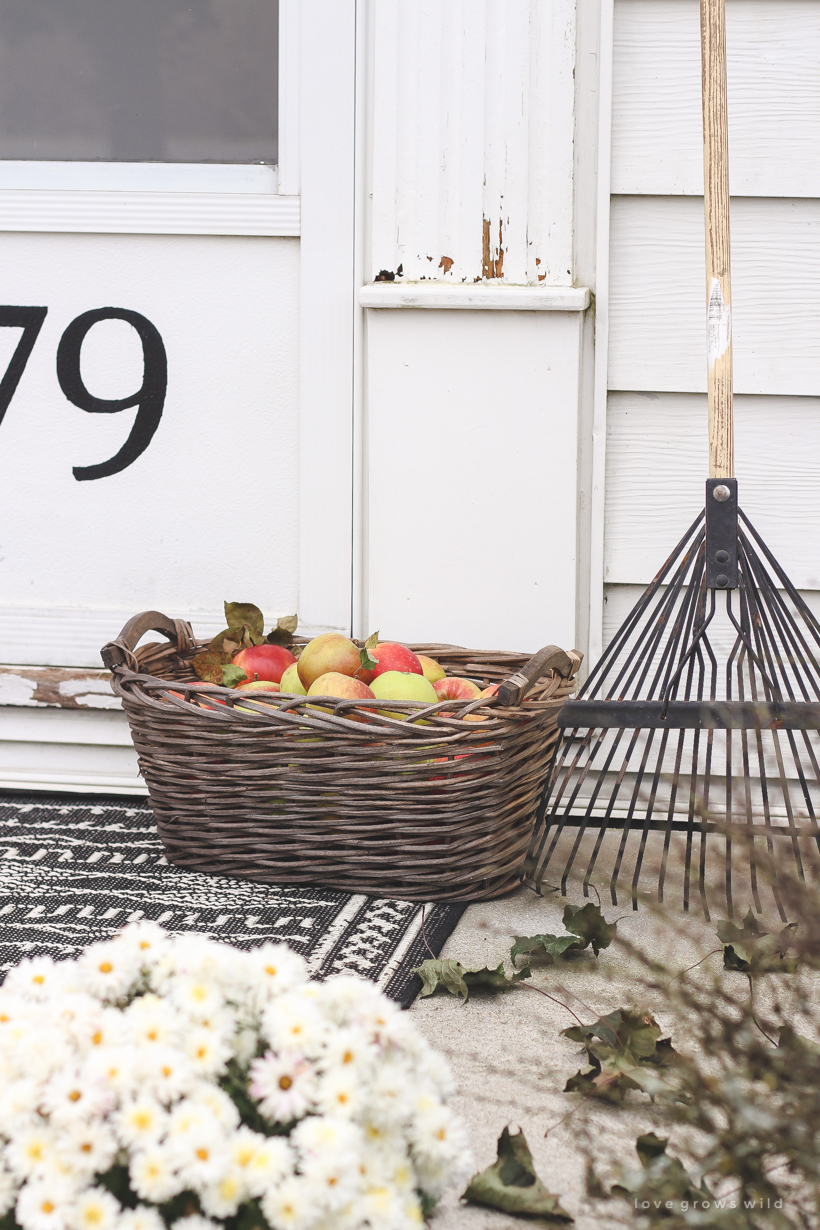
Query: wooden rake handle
x=718, y=262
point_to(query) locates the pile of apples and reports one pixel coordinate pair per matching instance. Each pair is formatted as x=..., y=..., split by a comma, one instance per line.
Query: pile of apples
x=332, y=665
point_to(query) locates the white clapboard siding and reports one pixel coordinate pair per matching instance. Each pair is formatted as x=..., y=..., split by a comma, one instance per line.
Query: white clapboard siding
x=64, y=749
x=773, y=53
x=472, y=128
x=657, y=336
x=657, y=463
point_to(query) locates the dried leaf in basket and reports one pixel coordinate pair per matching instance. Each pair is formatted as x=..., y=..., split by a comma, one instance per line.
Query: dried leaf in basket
x=282, y=634
x=246, y=615
x=512, y=1185
x=457, y=980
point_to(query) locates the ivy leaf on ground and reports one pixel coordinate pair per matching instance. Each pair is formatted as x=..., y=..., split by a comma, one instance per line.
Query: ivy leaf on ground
x=663, y=1179
x=457, y=980
x=589, y=924
x=282, y=633
x=512, y=1185
x=750, y=950
x=548, y=947
x=624, y=1051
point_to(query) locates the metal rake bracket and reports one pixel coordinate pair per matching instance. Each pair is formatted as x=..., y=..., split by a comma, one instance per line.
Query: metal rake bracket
x=700, y=722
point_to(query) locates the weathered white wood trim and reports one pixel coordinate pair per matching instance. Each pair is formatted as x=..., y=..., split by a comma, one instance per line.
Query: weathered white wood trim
x=773, y=48
x=657, y=340
x=472, y=121
x=597, y=514
x=205, y=177
x=39, y=687
x=60, y=749
x=476, y=297
x=148, y=213
x=328, y=305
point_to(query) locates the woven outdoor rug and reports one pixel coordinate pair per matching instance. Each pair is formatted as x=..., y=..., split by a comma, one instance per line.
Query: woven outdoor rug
x=76, y=871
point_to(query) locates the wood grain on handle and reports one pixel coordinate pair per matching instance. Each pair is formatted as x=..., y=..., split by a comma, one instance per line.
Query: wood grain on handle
x=718, y=262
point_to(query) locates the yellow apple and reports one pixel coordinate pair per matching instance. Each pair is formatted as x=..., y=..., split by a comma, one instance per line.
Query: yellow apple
x=291, y=683
x=431, y=669
x=330, y=653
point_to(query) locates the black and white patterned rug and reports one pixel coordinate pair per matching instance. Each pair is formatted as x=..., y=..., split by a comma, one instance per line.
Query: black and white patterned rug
x=75, y=871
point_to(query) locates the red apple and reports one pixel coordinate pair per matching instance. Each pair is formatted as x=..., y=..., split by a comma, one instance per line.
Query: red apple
x=491, y=690
x=431, y=669
x=331, y=653
x=392, y=657
x=264, y=661
x=453, y=688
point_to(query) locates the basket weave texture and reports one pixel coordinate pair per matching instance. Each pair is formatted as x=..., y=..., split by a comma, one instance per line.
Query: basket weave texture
x=391, y=799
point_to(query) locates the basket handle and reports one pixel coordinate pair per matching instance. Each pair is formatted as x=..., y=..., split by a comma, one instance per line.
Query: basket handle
x=121, y=651
x=513, y=690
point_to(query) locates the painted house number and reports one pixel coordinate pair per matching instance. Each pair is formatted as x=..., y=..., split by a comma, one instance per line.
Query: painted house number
x=149, y=397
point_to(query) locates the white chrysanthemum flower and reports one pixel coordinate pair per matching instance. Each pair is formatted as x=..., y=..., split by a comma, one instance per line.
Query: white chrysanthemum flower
x=35, y=978
x=148, y=941
x=150, y=1019
x=351, y=1049
x=141, y=1121
x=244, y=1046
x=284, y=1087
x=107, y=1030
x=206, y=1052
x=223, y=1198
x=87, y=1149
x=199, y=998
x=8, y=1191
x=164, y=1072
x=153, y=1174
x=32, y=1150
x=194, y=1222
x=383, y=1206
x=44, y=1204
x=143, y=1217
x=321, y=1139
x=70, y=1096
x=290, y=1205
x=202, y=1157
x=390, y=1097
x=77, y=1013
x=272, y=969
x=264, y=1161
x=19, y=1100
x=334, y=1179
x=108, y=970
x=292, y=1022
x=113, y=1067
x=39, y=1051
x=213, y=1105
x=94, y=1209
x=341, y=1092
x=199, y=957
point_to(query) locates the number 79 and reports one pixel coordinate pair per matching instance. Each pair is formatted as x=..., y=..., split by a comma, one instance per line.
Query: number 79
x=150, y=397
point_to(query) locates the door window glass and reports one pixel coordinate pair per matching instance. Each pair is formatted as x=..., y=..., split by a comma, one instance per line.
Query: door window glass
x=139, y=80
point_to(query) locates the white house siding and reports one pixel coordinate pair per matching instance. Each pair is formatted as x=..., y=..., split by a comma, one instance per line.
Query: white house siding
x=656, y=457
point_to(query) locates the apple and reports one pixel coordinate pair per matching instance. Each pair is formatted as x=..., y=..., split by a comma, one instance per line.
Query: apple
x=403, y=685
x=257, y=685
x=264, y=661
x=392, y=657
x=342, y=686
x=290, y=681
x=491, y=690
x=328, y=654
x=453, y=688
x=431, y=669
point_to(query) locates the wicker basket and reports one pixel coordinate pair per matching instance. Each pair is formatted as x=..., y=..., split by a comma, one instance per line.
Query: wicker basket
x=393, y=799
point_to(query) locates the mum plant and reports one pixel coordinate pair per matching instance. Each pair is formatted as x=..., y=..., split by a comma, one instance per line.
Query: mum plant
x=163, y=1081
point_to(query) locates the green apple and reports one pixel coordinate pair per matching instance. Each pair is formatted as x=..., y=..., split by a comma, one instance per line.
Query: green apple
x=291, y=683
x=401, y=685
